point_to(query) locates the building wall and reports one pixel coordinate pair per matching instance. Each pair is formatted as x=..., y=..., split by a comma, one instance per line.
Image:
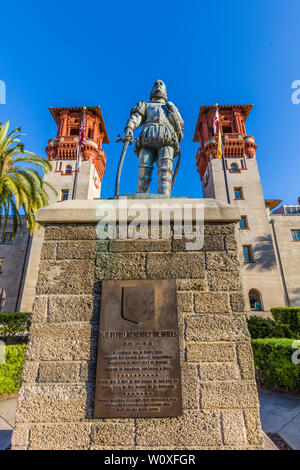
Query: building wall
x=263, y=274
x=59, y=179
x=15, y=258
x=86, y=186
x=289, y=253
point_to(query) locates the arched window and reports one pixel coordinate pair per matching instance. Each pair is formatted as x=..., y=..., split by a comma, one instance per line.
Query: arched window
x=2, y=299
x=234, y=168
x=68, y=170
x=74, y=131
x=255, y=299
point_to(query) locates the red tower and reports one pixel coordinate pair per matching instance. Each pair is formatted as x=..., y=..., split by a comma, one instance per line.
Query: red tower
x=236, y=143
x=62, y=152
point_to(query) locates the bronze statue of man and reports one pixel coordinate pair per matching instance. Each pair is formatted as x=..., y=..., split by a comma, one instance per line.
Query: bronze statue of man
x=159, y=139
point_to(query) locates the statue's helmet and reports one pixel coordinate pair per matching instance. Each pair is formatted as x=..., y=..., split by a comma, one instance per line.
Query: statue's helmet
x=158, y=91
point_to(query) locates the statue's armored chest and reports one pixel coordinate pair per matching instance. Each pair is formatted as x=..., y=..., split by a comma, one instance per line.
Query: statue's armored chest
x=156, y=112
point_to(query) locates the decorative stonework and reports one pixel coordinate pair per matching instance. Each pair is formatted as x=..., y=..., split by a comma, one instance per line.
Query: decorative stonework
x=55, y=407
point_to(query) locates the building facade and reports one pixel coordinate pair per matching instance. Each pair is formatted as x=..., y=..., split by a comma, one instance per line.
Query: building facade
x=266, y=240
x=285, y=223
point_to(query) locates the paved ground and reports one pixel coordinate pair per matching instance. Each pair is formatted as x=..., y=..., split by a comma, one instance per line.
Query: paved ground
x=280, y=414
x=7, y=421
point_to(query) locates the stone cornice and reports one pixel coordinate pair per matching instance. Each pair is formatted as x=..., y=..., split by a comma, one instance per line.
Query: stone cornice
x=89, y=211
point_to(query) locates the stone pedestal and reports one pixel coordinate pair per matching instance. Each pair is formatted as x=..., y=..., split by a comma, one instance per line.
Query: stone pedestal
x=55, y=406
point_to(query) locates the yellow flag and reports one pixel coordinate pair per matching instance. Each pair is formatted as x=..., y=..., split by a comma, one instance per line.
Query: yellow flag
x=219, y=149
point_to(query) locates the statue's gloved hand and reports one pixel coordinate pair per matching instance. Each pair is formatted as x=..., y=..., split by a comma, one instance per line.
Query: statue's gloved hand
x=128, y=134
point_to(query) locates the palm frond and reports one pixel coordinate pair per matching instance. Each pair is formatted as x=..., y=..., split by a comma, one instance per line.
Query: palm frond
x=21, y=185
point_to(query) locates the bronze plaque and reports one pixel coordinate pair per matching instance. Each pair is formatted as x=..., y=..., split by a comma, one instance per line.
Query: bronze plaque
x=138, y=363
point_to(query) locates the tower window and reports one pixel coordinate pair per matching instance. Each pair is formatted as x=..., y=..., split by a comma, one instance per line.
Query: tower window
x=58, y=166
x=243, y=223
x=296, y=235
x=234, y=168
x=238, y=193
x=227, y=130
x=7, y=238
x=64, y=194
x=90, y=133
x=74, y=131
x=68, y=170
x=248, y=254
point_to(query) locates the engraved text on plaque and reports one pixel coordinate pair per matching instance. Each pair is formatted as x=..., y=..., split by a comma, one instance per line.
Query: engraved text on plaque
x=138, y=363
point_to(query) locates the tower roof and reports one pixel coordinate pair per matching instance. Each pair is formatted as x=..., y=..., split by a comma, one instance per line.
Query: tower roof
x=94, y=109
x=272, y=203
x=204, y=108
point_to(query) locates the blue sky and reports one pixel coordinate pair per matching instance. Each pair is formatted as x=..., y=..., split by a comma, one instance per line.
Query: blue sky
x=72, y=53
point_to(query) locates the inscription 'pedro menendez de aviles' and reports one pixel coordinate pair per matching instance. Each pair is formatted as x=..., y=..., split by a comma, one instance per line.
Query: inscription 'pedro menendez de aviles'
x=138, y=365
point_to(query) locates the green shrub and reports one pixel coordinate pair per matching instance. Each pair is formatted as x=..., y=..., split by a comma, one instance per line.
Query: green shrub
x=289, y=316
x=11, y=371
x=15, y=316
x=267, y=328
x=273, y=359
x=12, y=325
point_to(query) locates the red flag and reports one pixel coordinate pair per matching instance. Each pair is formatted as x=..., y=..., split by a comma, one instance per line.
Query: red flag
x=216, y=121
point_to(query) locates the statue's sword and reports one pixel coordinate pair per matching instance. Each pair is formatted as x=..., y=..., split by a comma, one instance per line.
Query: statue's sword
x=127, y=141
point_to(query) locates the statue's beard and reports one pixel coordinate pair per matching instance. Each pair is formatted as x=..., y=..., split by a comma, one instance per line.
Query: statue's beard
x=158, y=93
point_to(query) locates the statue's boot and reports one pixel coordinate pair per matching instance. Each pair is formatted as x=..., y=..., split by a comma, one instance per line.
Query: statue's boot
x=145, y=170
x=165, y=170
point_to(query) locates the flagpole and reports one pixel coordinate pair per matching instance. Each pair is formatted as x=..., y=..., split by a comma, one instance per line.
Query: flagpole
x=77, y=162
x=76, y=173
x=225, y=172
x=223, y=162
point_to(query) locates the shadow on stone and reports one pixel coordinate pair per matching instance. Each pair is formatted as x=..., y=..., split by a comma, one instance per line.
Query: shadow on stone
x=91, y=365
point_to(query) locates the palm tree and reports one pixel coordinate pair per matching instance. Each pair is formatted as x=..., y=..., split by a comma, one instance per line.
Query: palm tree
x=21, y=185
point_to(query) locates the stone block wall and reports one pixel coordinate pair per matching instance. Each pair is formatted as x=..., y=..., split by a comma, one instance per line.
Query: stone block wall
x=55, y=406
